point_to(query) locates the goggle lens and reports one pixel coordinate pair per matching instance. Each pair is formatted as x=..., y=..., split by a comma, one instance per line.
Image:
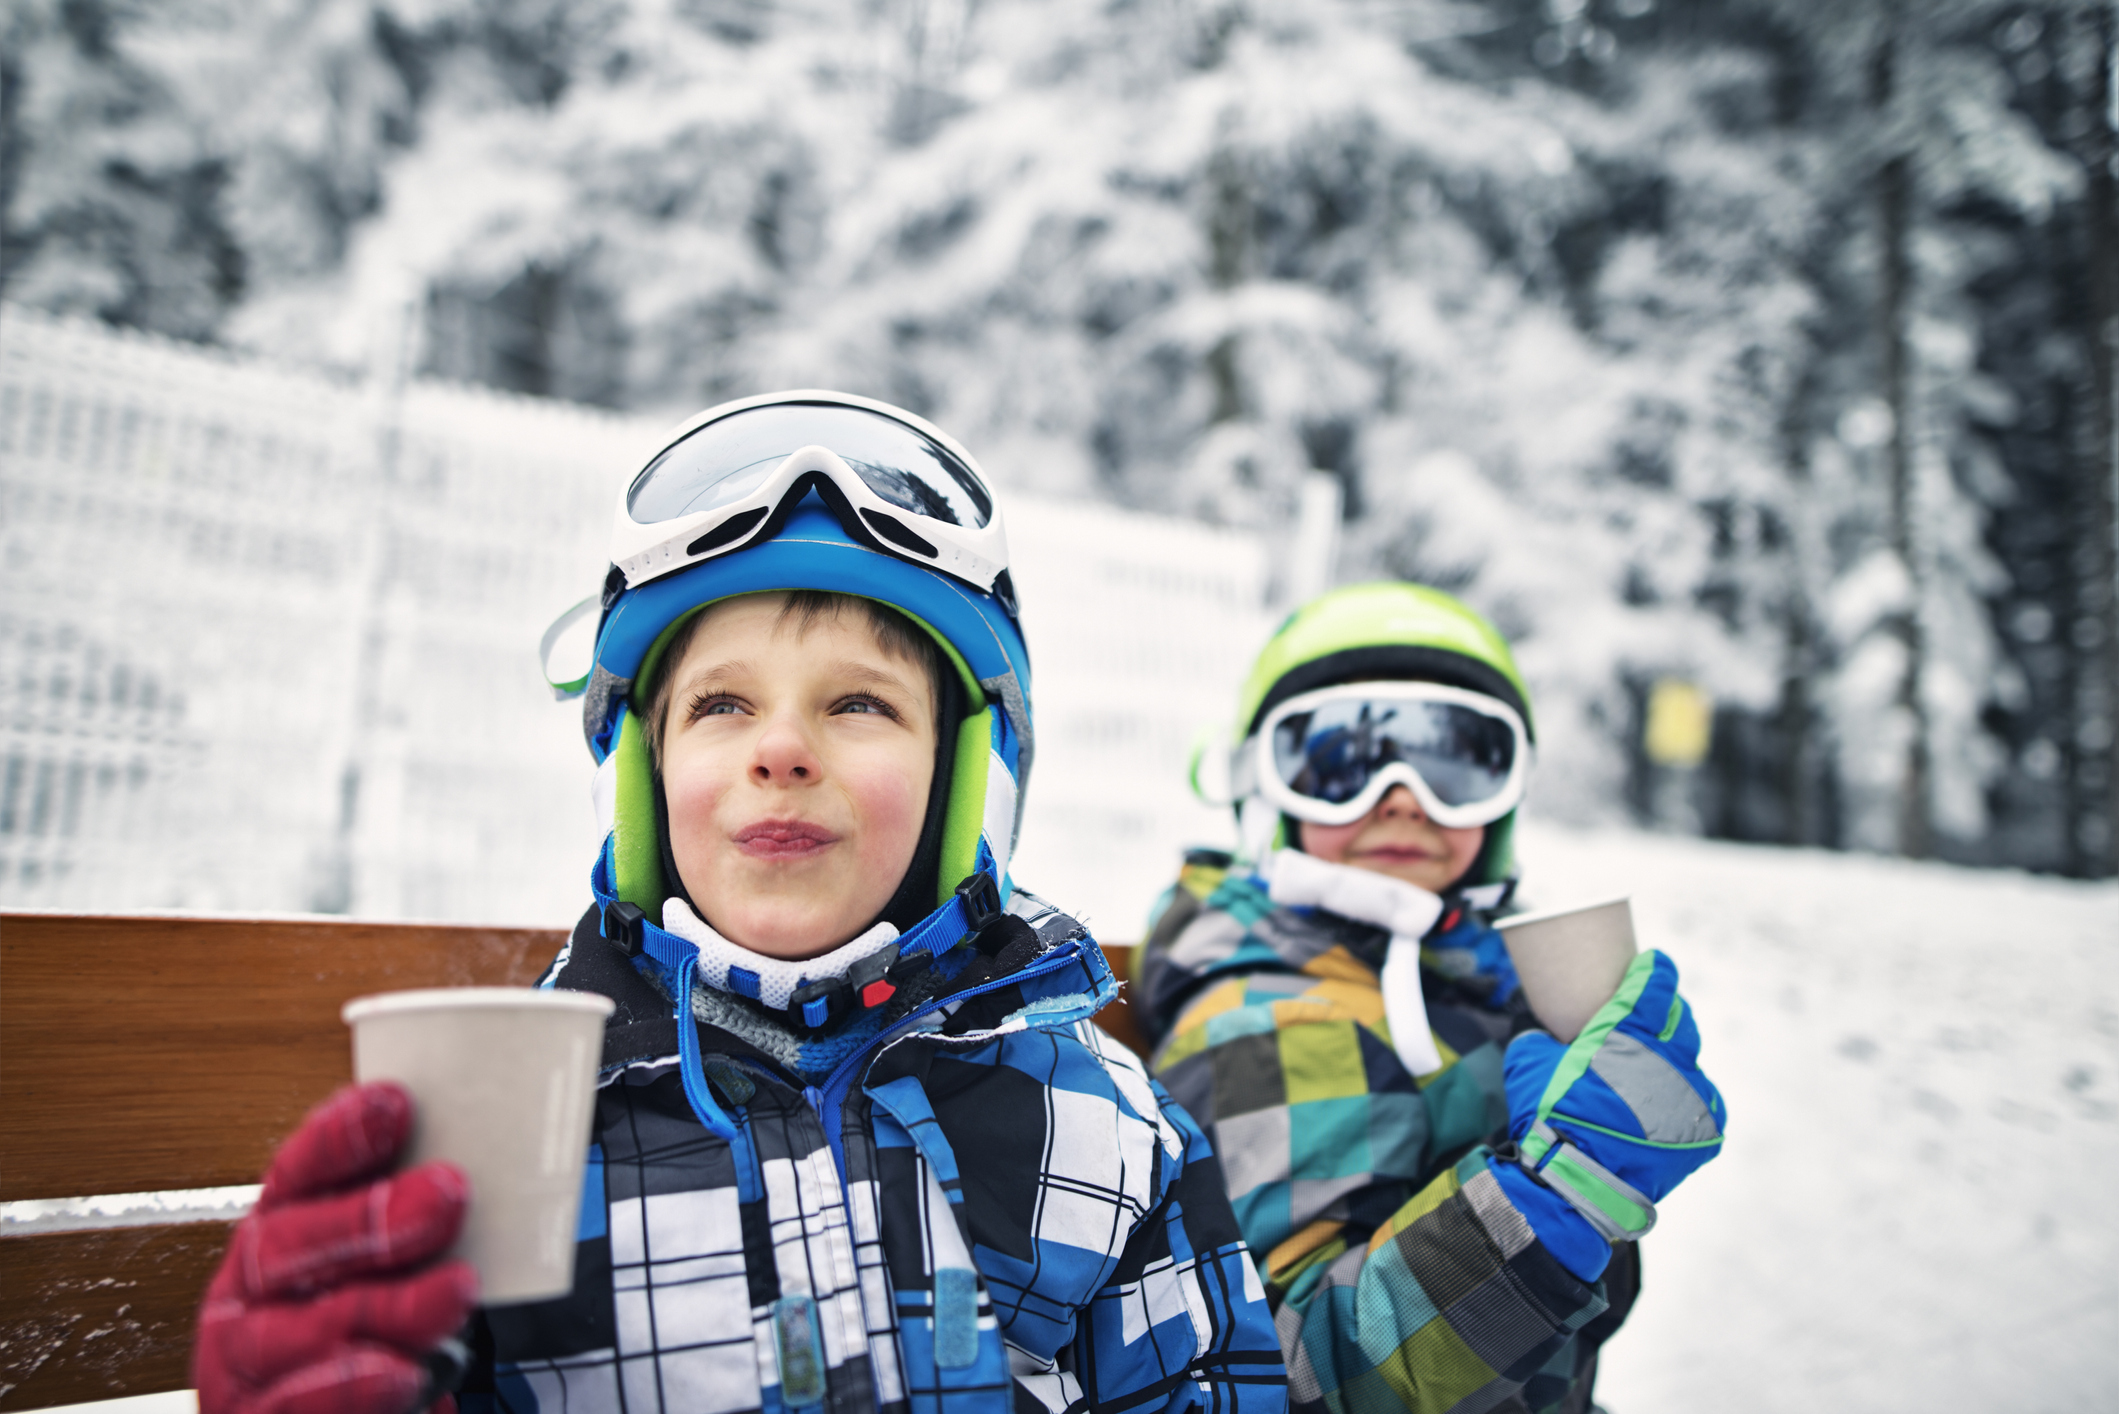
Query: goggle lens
x=1331, y=752
x=731, y=457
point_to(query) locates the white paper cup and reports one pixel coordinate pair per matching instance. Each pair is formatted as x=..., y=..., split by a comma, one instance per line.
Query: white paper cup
x=504, y=1084
x=1570, y=960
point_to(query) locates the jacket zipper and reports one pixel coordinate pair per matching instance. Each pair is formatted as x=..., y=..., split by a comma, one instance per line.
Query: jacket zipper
x=828, y=1100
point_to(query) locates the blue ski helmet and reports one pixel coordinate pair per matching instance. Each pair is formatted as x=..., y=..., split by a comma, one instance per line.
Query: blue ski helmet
x=813, y=490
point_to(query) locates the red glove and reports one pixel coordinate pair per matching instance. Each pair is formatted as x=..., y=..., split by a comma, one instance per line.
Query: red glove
x=329, y=1299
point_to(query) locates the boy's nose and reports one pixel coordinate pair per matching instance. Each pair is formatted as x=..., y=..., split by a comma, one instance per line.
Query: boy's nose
x=1401, y=803
x=784, y=754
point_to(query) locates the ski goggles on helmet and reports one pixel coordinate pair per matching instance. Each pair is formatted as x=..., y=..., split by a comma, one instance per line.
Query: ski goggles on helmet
x=729, y=479
x=1330, y=756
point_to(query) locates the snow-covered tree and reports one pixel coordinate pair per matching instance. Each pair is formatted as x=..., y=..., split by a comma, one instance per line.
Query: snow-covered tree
x=1664, y=333
x=112, y=200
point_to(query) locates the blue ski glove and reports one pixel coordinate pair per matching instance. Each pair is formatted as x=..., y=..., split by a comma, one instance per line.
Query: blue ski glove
x=1612, y=1122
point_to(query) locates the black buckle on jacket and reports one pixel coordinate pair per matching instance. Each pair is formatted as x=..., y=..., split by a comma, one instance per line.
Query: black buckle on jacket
x=982, y=900
x=865, y=984
x=905, y=969
x=624, y=924
x=817, y=1004
x=863, y=976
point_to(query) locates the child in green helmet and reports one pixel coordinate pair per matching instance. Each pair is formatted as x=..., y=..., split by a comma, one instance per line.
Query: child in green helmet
x=1444, y=1199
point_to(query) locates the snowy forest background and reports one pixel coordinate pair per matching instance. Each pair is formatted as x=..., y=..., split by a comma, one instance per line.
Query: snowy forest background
x=1762, y=345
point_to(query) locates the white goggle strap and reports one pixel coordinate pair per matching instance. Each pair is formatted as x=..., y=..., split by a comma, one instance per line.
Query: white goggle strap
x=603, y=795
x=1257, y=828
x=562, y=691
x=998, y=824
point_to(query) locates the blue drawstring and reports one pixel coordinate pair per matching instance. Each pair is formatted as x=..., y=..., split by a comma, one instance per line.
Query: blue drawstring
x=679, y=959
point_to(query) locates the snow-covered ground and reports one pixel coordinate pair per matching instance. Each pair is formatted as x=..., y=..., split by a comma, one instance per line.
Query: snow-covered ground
x=1915, y=1209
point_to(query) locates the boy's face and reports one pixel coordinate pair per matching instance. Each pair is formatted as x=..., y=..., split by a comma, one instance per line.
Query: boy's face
x=1397, y=838
x=796, y=766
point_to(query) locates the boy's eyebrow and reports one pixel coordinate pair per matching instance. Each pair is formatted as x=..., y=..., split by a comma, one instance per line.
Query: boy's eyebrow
x=853, y=669
x=861, y=672
x=734, y=667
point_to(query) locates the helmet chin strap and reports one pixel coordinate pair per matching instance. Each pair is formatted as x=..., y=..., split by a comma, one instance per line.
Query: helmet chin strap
x=1404, y=910
x=1258, y=828
x=672, y=881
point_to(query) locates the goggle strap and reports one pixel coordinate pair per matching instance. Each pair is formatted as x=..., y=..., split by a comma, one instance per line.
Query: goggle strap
x=574, y=687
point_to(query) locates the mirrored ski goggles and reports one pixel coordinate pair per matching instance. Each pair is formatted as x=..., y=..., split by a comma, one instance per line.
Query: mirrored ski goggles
x=1330, y=756
x=897, y=485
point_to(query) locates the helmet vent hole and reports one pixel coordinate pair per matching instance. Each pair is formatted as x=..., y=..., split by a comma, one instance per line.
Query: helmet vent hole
x=734, y=528
x=893, y=530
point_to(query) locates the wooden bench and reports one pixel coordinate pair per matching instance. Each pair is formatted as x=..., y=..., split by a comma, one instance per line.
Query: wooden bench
x=152, y=1053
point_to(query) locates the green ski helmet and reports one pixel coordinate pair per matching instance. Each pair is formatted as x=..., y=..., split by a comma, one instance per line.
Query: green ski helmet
x=1385, y=630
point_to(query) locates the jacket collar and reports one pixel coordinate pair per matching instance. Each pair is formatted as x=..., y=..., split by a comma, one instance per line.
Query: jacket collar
x=1045, y=975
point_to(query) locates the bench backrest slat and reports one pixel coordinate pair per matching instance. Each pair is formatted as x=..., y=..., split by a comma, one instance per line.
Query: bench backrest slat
x=103, y=1314
x=146, y=1053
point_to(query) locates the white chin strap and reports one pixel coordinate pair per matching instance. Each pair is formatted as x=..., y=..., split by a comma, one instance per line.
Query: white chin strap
x=1305, y=881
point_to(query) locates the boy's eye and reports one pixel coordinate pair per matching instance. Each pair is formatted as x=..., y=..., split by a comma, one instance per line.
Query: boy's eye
x=715, y=705
x=863, y=704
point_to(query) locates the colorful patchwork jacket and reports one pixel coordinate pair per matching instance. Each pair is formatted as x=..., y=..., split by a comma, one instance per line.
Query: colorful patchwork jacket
x=1400, y=1276
x=985, y=1205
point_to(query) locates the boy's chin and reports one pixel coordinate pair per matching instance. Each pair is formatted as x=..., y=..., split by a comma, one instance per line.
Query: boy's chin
x=789, y=930
x=1429, y=874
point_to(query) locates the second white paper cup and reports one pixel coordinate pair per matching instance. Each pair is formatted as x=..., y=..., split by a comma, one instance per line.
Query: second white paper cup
x=1570, y=960
x=504, y=1084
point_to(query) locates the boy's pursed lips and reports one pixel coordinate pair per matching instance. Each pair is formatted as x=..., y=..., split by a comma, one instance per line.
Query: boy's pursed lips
x=782, y=839
x=1396, y=853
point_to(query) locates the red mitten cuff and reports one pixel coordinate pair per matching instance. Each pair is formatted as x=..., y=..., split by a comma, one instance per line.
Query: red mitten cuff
x=351, y=1382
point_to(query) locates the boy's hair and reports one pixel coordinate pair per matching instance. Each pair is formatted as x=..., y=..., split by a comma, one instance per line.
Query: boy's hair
x=897, y=635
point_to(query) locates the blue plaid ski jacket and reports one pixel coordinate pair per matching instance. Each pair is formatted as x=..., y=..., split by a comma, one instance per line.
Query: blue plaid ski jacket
x=989, y=1207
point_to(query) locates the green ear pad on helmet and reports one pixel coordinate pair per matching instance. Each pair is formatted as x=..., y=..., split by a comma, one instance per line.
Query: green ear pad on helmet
x=1497, y=857
x=636, y=845
x=967, y=802
x=636, y=840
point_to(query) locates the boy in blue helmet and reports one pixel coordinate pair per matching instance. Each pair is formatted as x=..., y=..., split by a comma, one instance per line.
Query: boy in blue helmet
x=857, y=1144
x=1445, y=1200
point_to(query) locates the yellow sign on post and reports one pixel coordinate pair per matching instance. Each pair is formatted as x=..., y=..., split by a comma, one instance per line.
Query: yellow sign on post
x=1680, y=724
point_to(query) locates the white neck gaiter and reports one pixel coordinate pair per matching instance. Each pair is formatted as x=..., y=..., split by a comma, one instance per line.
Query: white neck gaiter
x=1404, y=910
x=776, y=979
